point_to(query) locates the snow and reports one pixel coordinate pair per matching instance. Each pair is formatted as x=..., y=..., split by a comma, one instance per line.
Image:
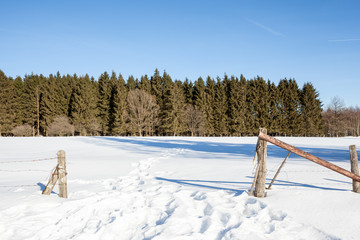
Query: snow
x=174, y=188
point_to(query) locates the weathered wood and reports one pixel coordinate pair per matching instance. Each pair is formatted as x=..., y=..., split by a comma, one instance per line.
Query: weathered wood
x=261, y=153
x=62, y=174
x=308, y=156
x=354, y=167
x=278, y=171
x=52, y=181
x=253, y=184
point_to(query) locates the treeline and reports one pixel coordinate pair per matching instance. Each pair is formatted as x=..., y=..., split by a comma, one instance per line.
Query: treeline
x=340, y=120
x=156, y=106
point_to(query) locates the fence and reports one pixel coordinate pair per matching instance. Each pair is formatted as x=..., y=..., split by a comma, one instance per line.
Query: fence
x=261, y=155
x=58, y=174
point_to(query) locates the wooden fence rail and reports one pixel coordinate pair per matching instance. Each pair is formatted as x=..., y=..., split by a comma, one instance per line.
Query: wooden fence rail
x=308, y=156
x=260, y=175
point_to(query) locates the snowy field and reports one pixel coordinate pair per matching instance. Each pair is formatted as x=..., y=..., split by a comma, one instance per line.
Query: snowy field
x=174, y=188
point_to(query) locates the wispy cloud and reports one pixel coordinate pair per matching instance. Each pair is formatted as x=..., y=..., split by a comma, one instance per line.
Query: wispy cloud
x=345, y=40
x=270, y=30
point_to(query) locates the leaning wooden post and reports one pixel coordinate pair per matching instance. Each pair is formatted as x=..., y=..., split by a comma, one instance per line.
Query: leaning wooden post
x=354, y=167
x=278, y=171
x=261, y=177
x=52, y=181
x=62, y=174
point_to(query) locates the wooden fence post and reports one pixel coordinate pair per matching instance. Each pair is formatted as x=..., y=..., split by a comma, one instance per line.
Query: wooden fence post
x=261, y=177
x=62, y=174
x=354, y=167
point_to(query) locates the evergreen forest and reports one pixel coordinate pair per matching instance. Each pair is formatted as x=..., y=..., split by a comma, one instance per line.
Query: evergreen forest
x=157, y=105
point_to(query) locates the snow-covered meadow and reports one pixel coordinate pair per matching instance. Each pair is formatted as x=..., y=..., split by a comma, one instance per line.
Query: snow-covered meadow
x=174, y=188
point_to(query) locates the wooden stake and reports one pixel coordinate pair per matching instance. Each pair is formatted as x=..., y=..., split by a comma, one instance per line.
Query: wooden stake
x=51, y=184
x=278, y=171
x=308, y=156
x=253, y=184
x=62, y=174
x=262, y=154
x=354, y=167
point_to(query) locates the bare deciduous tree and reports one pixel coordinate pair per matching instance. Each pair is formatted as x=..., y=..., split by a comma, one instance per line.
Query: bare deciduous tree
x=23, y=130
x=194, y=120
x=61, y=126
x=142, y=111
x=341, y=121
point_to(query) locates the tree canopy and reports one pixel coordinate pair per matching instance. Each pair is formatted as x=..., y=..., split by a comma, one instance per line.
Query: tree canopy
x=159, y=105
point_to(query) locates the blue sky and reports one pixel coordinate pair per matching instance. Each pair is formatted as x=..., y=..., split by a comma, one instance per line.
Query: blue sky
x=310, y=41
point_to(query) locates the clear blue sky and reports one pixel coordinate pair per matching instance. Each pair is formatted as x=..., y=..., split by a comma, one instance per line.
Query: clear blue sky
x=311, y=41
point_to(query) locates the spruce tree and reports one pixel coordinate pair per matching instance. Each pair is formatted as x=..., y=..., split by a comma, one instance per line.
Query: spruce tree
x=220, y=109
x=18, y=104
x=31, y=101
x=311, y=110
x=104, y=103
x=188, y=91
x=289, y=107
x=83, y=106
x=275, y=123
x=156, y=86
x=6, y=104
x=173, y=107
x=237, y=106
x=199, y=94
x=131, y=83
x=118, y=103
x=145, y=84
x=55, y=97
x=258, y=100
x=209, y=107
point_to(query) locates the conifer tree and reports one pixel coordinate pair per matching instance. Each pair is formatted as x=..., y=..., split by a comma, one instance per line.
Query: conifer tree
x=118, y=104
x=48, y=110
x=220, y=109
x=237, y=106
x=83, y=106
x=131, y=83
x=18, y=107
x=258, y=100
x=188, y=91
x=172, y=108
x=145, y=84
x=289, y=107
x=275, y=123
x=31, y=101
x=55, y=97
x=6, y=104
x=209, y=107
x=199, y=94
x=104, y=103
x=311, y=110
x=156, y=86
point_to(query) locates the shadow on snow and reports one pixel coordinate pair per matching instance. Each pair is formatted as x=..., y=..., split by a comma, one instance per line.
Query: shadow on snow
x=240, y=149
x=216, y=185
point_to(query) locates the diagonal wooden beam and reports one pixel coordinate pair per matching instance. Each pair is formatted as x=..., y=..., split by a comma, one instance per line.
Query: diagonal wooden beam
x=52, y=182
x=308, y=156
